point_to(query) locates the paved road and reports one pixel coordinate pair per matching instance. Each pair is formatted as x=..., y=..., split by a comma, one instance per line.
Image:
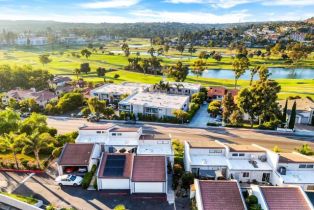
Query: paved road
x=241, y=136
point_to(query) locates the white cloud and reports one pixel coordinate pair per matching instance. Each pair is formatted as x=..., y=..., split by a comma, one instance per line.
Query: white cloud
x=190, y=17
x=288, y=2
x=109, y=4
x=185, y=1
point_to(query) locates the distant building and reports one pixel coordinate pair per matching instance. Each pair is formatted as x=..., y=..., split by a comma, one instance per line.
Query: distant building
x=31, y=41
x=154, y=104
x=41, y=97
x=113, y=92
x=305, y=110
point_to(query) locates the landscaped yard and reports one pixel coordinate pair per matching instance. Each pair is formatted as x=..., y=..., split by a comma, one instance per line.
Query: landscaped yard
x=64, y=63
x=29, y=200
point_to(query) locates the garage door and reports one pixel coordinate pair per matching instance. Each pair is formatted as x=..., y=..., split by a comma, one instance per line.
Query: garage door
x=115, y=184
x=149, y=187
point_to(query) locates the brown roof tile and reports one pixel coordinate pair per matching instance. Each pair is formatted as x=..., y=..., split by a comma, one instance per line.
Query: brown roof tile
x=217, y=91
x=294, y=158
x=149, y=169
x=127, y=169
x=288, y=198
x=221, y=195
x=76, y=154
x=206, y=144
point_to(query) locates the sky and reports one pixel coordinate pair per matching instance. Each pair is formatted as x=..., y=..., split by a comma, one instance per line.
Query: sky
x=130, y=11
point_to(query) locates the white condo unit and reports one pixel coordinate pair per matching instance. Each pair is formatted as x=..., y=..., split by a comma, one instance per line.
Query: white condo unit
x=154, y=104
x=184, y=88
x=113, y=92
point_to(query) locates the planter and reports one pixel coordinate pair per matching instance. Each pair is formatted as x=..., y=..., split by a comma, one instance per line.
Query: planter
x=22, y=171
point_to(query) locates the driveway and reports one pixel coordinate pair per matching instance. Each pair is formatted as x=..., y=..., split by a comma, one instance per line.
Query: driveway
x=43, y=187
x=200, y=118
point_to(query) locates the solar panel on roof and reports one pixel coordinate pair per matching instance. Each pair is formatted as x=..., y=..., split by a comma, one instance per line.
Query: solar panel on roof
x=114, y=165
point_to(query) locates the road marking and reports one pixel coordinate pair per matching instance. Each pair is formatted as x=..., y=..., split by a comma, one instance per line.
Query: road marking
x=22, y=182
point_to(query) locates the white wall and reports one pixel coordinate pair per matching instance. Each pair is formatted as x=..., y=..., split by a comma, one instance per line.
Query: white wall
x=206, y=151
x=19, y=204
x=113, y=184
x=187, y=158
x=148, y=187
x=253, y=175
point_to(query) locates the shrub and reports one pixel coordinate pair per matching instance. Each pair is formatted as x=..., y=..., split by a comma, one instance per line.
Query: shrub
x=95, y=184
x=252, y=199
x=24, y=163
x=120, y=207
x=177, y=170
x=87, y=179
x=187, y=180
x=116, y=76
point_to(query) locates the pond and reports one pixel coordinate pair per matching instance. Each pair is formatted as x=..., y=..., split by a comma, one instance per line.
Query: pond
x=276, y=73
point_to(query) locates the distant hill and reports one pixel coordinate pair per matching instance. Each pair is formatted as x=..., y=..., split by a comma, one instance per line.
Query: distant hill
x=310, y=20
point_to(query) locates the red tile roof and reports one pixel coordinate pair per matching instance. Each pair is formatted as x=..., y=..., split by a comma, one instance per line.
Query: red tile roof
x=216, y=91
x=288, y=198
x=221, y=195
x=127, y=170
x=149, y=169
x=76, y=154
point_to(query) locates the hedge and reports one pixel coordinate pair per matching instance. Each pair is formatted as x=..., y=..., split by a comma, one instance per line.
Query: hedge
x=88, y=177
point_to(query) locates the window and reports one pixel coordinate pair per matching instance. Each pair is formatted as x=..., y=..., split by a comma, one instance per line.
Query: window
x=241, y=154
x=215, y=151
x=302, y=166
x=98, y=131
x=235, y=154
x=113, y=134
x=309, y=166
x=246, y=174
x=119, y=134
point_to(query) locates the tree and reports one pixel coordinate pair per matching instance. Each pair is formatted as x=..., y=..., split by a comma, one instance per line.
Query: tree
x=12, y=142
x=181, y=115
x=95, y=105
x=166, y=48
x=160, y=51
x=36, y=142
x=298, y=51
x=70, y=101
x=179, y=71
x=86, y=53
x=198, y=67
x=203, y=55
x=151, y=51
x=214, y=108
x=253, y=72
x=144, y=64
x=34, y=122
x=284, y=113
x=85, y=68
x=29, y=105
x=228, y=106
x=101, y=71
x=239, y=67
x=162, y=86
x=217, y=56
x=247, y=104
x=293, y=115
x=9, y=121
x=77, y=72
x=236, y=118
x=125, y=48
x=276, y=49
x=191, y=50
x=305, y=149
x=44, y=59
x=180, y=48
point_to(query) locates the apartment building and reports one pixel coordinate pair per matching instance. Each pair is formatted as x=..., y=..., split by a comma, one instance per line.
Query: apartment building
x=154, y=104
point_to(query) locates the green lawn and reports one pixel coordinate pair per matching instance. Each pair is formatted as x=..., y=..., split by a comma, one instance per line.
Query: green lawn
x=64, y=63
x=29, y=200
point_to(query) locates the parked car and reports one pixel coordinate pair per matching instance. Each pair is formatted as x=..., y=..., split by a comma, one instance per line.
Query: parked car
x=25, y=114
x=93, y=118
x=69, y=170
x=70, y=180
x=82, y=170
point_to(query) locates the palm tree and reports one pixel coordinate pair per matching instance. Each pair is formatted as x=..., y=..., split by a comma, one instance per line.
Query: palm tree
x=12, y=142
x=178, y=86
x=160, y=51
x=151, y=51
x=36, y=142
x=162, y=86
x=253, y=72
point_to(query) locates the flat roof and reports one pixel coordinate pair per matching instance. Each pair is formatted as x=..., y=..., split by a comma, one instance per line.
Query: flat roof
x=206, y=144
x=97, y=127
x=149, y=169
x=154, y=149
x=91, y=138
x=206, y=160
x=217, y=195
x=257, y=165
x=186, y=85
x=154, y=137
x=301, y=177
x=116, y=165
x=284, y=198
x=157, y=100
x=244, y=148
x=120, y=89
x=76, y=154
x=125, y=129
x=294, y=158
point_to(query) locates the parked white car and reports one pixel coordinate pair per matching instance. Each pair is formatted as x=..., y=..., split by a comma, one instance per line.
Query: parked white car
x=69, y=180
